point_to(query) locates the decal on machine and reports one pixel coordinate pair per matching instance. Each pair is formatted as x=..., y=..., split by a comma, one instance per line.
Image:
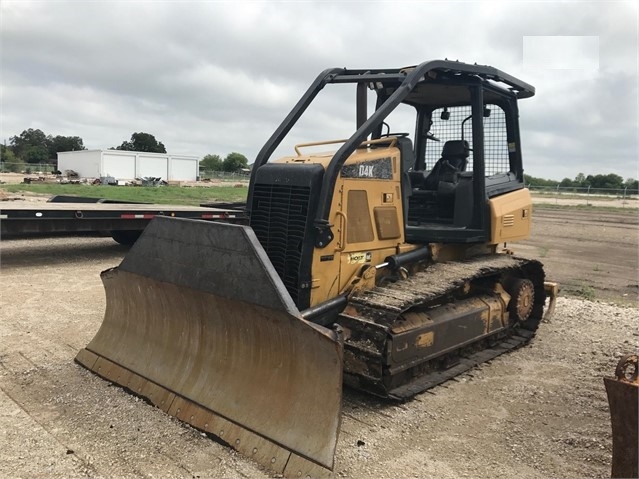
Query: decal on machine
x=360, y=257
x=381, y=169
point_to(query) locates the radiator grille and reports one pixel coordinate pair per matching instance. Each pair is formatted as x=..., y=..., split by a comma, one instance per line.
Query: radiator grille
x=278, y=218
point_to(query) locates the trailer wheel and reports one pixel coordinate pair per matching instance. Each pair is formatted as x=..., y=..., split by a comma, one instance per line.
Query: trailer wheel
x=126, y=237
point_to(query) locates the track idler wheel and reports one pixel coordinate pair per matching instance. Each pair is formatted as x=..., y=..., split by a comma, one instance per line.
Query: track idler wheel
x=522, y=299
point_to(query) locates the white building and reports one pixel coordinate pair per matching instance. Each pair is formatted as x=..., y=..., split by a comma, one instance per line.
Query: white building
x=128, y=165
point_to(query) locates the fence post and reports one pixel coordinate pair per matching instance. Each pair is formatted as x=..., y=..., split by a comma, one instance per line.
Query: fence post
x=588, y=196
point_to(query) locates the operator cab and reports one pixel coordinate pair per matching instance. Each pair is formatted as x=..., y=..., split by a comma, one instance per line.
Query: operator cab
x=462, y=153
x=466, y=151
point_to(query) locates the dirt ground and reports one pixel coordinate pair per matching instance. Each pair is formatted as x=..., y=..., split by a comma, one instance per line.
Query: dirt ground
x=538, y=412
x=593, y=254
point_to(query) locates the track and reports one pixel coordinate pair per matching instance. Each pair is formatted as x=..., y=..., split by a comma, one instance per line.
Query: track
x=374, y=317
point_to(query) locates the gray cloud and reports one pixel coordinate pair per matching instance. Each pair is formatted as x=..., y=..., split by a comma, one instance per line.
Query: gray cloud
x=215, y=77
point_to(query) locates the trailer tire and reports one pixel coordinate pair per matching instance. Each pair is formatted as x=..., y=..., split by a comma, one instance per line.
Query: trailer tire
x=126, y=237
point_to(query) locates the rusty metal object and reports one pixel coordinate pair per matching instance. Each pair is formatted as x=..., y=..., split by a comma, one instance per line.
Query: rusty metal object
x=198, y=322
x=623, y=398
x=552, y=291
x=523, y=298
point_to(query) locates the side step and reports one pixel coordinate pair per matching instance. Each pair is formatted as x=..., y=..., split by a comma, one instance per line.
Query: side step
x=199, y=323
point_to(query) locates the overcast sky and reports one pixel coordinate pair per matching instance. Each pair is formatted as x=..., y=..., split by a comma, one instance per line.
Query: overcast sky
x=217, y=77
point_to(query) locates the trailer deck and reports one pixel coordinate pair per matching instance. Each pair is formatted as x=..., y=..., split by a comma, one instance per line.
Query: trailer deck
x=64, y=216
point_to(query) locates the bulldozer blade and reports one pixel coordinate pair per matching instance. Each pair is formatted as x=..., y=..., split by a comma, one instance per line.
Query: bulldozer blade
x=198, y=322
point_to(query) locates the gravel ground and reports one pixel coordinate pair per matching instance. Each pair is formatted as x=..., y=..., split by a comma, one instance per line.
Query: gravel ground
x=538, y=412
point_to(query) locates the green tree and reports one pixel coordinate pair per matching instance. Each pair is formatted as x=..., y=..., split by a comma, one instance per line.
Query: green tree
x=211, y=163
x=64, y=143
x=580, y=180
x=30, y=144
x=532, y=181
x=36, y=154
x=566, y=183
x=142, y=142
x=632, y=185
x=33, y=146
x=9, y=161
x=234, y=162
x=605, y=181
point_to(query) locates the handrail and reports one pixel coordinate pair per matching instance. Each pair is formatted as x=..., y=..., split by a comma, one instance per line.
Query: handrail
x=317, y=143
x=390, y=139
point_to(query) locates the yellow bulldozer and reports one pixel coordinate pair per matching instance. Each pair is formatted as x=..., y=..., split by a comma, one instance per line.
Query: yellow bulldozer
x=382, y=264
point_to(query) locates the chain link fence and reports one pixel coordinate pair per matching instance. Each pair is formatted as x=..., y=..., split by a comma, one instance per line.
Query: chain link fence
x=224, y=175
x=27, y=168
x=586, y=195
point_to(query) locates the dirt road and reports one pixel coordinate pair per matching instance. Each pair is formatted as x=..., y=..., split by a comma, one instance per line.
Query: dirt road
x=538, y=412
x=593, y=254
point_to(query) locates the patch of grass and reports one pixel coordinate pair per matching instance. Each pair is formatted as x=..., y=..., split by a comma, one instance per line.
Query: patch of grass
x=586, y=291
x=173, y=195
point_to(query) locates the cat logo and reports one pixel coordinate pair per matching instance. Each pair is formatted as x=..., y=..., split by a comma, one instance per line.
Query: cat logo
x=366, y=170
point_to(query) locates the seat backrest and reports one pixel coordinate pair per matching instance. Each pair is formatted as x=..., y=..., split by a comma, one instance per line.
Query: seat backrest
x=454, y=160
x=456, y=152
x=407, y=161
x=406, y=152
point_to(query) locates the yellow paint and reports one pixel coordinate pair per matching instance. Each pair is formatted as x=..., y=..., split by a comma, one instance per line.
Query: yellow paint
x=510, y=216
x=329, y=278
x=510, y=221
x=425, y=340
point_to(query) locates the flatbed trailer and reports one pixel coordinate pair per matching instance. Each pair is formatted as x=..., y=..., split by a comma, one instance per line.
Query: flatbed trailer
x=123, y=221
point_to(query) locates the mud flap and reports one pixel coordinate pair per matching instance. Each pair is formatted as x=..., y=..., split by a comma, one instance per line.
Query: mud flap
x=198, y=322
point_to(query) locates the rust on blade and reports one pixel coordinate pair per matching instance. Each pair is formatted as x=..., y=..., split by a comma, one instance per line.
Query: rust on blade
x=623, y=398
x=241, y=365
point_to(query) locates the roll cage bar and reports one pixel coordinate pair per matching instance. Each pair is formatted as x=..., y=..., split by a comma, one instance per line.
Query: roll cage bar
x=406, y=79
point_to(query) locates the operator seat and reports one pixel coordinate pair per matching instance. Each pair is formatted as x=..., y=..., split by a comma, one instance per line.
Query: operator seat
x=453, y=161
